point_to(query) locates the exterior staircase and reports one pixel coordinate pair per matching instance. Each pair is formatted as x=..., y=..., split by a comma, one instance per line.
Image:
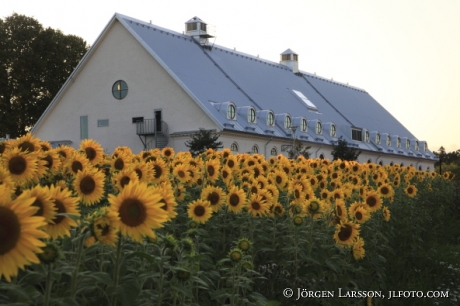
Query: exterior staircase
x=153, y=134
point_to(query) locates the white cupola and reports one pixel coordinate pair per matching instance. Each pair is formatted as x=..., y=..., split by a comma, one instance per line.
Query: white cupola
x=197, y=29
x=291, y=59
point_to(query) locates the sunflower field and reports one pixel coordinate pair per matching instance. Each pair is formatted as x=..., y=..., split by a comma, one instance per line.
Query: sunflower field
x=83, y=227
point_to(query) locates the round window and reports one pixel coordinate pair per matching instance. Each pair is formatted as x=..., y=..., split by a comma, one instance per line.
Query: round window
x=120, y=89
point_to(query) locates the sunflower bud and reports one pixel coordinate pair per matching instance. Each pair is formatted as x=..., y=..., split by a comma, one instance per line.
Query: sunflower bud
x=51, y=253
x=244, y=244
x=297, y=220
x=235, y=255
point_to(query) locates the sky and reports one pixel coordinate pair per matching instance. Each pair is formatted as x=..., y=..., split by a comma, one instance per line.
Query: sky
x=405, y=54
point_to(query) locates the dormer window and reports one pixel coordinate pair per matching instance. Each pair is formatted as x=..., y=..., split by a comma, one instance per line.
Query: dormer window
x=407, y=144
x=192, y=26
x=270, y=119
x=231, y=112
x=303, y=125
x=234, y=147
x=357, y=134
x=398, y=142
x=285, y=57
x=388, y=141
x=377, y=138
x=287, y=122
x=366, y=136
x=319, y=127
x=417, y=147
x=252, y=115
x=332, y=130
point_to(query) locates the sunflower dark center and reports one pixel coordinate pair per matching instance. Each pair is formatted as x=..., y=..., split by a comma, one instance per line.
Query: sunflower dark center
x=60, y=210
x=165, y=206
x=49, y=161
x=251, y=163
x=124, y=181
x=181, y=173
x=132, y=212
x=145, y=155
x=255, y=205
x=90, y=153
x=410, y=190
x=27, y=146
x=371, y=201
x=278, y=179
x=254, y=189
x=211, y=170
x=313, y=207
x=168, y=153
x=225, y=174
x=345, y=232
x=358, y=215
x=158, y=171
x=76, y=166
x=199, y=211
x=339, y=211
x=10, y=230
x=38, y=204
x=297, y=194
x=17, y=165
x=119, y=164
x=256, y=172
x=234, y=200
x=87, y=185
x=337, y=195
x=213, y=197
x=286, y=170
x=139, y=173
x=384, y=190
x=62, y=153
x=104, y=229
x=44, y=148
x=278, y=210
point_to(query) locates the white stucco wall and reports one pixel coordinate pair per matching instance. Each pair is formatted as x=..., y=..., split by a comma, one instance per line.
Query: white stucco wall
x=118, y=56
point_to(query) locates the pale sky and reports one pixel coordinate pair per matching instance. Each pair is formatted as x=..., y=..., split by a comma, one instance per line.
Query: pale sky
x=404, y=53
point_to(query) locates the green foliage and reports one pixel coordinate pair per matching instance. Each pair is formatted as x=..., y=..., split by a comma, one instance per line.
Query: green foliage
x=35, y=62
x=343, y=151
x=202, y=141
x=299, y=150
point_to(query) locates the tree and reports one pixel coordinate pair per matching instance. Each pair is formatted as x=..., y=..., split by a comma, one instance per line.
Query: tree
x=203, y=140
x=34, y=64
x=299, y=150
x=343, y=151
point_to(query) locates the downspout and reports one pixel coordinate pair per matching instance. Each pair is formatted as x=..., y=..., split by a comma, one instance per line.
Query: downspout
x=265, y=149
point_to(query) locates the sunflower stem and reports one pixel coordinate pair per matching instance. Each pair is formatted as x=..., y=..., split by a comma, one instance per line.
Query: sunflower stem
x=49, y=284
x=116, y=271
x=73, y=286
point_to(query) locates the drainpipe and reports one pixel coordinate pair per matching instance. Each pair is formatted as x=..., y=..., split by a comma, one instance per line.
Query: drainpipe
x=265, y=150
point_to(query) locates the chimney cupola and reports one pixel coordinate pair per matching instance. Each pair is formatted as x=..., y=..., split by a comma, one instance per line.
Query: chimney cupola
x=197, y=29
x=291, y=59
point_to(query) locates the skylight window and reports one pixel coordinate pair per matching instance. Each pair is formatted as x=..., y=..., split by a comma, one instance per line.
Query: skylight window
x=302, y=97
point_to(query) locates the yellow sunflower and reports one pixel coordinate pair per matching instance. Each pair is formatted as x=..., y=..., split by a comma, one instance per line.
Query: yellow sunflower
x=181, y=173
x=256, y=206
x=340, y=209
x=236, y=199
x=212, y=168
x=386, y=213
x=102, y=227
x=22, y=167
x=226, y=174
x=43, y=202
x=373, y=201
x=27, y=143
x=315, y=208
x=92, y=150
x=215, y=195
x=64, y=203
x=180, y=192
x=278, y=210
x=143, y=171
x=64, y=152
x=386, y=191
x=168, y=153
x=123, y=178
x=411, y=191
x=89, y=185
x=280, y=178
x=358, y=249
x=20, y=235
x=161, y=171
x=199, y=210
x=53, y=162
x=346, y=233
x=273, y=191
x=360, y=214
x=5, y=179
x=169, y=204
x=121, y=161
x=136, y=210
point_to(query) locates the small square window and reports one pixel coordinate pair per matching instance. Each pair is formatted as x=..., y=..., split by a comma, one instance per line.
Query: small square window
x=102, y=122
x=138, y=119
x=357, y=134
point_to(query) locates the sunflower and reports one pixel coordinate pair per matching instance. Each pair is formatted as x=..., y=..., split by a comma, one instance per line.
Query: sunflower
x=256, y=206
x=22, y=167
x=278, y=209
x=226, y=174
x=51, y=253
x=53, y=162
x=5, y=179
x=27, y=143
x=386, y=214
x=358, y=249
x=89, y=185
x=244, y=244
x=168, y=201
x=180, y=192
x=102, y=227
x=346, y=233
x=212, y=170
x=161, y=171
x=386, y=191
x=315, y=208
x=181, y=173
x=280, y=178
x=236, y=199
x=411, y=191
x=373, y=201
x=168, y=153
x=340, y=209
x=64, y=152
x=136, y=210
x=43, y=201
x=200, y=210
x=120, y=161
x=297, y=220
x=20, y=235
x=215, y=195
x=235, y=255
x=92, y=150
x=359, y=212
x=64, y=203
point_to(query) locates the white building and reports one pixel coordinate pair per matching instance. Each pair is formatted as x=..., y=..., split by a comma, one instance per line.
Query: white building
x=144, y=86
